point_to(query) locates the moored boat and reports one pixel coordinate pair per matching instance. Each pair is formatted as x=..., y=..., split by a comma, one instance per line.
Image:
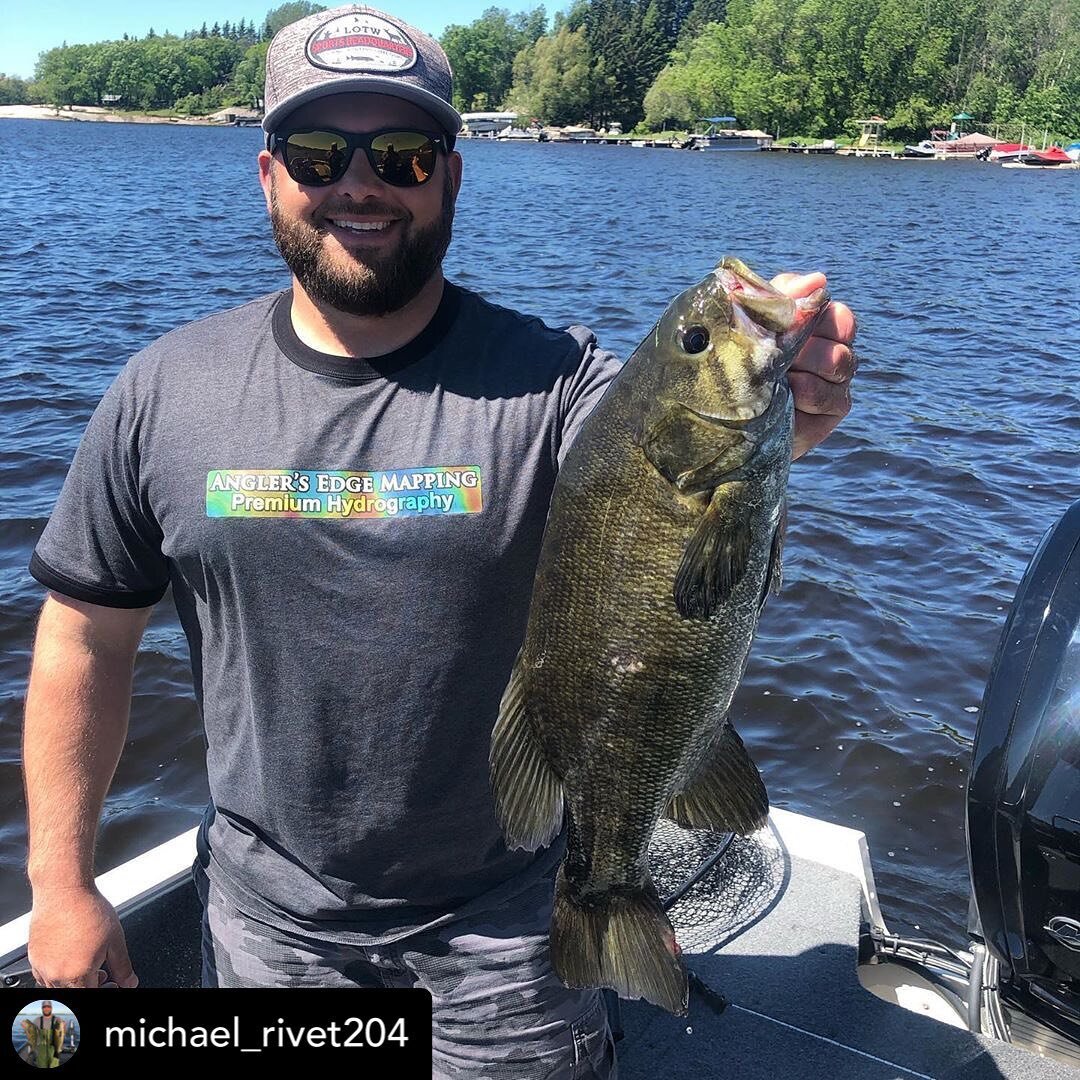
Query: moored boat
x=923, y=149
x=963, y=146
x=1053, y=157
x=1008, y=151
x=578, y=134
x=487, y=124
x=722, y=135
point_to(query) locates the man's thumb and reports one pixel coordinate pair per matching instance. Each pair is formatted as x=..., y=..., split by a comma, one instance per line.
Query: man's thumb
x=119, y=964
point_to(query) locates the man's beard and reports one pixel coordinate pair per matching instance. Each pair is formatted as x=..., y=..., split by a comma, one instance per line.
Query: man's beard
x=377, y=282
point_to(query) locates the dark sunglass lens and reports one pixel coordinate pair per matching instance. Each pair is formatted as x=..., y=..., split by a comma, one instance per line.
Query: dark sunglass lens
x=404, y=158
x=316, y=157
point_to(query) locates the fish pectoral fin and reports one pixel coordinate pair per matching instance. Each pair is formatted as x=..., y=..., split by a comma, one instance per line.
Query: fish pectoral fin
x=692, y=452
x=716, y=555
x=726, y=794
x=528, y=794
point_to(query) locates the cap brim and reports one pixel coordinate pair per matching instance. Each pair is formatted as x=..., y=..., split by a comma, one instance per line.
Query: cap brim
x=447, y=117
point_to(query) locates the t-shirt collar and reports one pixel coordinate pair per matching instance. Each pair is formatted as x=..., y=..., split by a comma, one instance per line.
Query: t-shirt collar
x=356, y=369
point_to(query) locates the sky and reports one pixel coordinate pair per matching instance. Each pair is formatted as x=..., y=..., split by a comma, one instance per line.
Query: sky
x=27, y=29
x=33, y=1011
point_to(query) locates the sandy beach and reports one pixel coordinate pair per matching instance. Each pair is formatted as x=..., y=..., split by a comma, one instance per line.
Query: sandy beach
x=97, y=113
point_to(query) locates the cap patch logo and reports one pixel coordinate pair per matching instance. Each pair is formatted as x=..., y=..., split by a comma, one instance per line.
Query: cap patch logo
x=360, y=42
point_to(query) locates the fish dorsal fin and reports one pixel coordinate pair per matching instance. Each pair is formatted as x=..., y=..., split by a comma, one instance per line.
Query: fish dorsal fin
x=528, y=794
x=716, y=555
x=726, y=793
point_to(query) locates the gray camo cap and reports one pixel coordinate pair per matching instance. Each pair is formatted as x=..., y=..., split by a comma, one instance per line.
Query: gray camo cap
x=357, y=48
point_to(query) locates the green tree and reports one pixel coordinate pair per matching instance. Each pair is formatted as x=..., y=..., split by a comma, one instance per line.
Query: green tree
x=61, y=72
x=630, y=43
x=702, y=12
x=482, y=53
x=130, y=75
x=281, y=16
x=249, y=77
x=552, y=78
x=12, y=90
x=220, y=55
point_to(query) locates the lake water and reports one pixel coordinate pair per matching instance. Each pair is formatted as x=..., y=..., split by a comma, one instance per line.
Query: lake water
x=908, y=529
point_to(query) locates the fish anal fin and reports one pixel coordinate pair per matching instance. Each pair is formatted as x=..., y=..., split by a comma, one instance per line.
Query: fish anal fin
x=528, y=794
x=726, y=793
x=716, y=555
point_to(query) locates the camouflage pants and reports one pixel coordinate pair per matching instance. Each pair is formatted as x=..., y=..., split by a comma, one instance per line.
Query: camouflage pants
x=499, y=1011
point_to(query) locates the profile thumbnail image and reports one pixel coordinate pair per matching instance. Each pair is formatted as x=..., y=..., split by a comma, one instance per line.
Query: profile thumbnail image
x=45, y=1033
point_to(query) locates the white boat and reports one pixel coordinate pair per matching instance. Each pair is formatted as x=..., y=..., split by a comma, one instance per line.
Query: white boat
x=969, y=145
x=720, y=135
x=578, y=134
x=924, y=148
x=486, y=124
x=783, y=930
x=521, y=135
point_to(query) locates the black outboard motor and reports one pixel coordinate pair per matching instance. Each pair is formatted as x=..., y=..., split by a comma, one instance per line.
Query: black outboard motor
x=1023, y=803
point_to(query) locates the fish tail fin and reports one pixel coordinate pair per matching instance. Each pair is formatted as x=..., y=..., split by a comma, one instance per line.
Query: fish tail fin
x=528, y=794
x=624, y=942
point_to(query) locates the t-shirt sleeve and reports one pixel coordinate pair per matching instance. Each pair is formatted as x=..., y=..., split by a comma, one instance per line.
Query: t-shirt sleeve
x=102, y=544
x=585, y=387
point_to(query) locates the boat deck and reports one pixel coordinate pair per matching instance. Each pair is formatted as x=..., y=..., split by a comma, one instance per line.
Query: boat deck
x=799, y=1012
x=772, y=926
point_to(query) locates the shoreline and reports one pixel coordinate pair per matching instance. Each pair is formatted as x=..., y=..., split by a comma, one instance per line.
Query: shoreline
x=99, y=114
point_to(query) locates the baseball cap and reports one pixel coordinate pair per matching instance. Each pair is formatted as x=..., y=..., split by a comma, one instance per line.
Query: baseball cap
x=357, y=48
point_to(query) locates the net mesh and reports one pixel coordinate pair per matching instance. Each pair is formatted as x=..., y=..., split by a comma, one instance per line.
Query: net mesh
x=729, y=896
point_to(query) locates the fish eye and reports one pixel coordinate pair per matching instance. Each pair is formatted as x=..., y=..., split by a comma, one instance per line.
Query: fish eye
x=695, y=339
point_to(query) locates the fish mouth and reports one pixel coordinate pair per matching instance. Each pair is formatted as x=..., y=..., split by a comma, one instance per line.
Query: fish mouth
x=762, y=312
x=757, y=309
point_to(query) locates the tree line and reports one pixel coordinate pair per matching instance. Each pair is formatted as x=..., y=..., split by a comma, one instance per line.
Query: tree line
x=195, y=73
x=807, y=67
x=804, y=67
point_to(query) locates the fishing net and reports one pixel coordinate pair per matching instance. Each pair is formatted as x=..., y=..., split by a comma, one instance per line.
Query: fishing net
x=737, y=889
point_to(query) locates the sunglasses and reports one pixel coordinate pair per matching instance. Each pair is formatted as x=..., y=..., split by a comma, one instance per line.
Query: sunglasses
x=321, y=156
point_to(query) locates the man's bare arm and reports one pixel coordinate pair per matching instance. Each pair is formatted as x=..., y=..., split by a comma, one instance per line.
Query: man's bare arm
x=77, y=707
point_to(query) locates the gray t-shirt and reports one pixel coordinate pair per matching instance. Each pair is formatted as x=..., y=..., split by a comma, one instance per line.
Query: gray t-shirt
x=351, y=546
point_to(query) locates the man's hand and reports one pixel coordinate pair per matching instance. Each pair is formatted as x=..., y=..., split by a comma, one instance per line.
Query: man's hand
x=74, y=935
x=821, y=374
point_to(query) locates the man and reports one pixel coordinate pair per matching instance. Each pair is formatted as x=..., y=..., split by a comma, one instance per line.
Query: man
x=45, y=1038
x=346, y=485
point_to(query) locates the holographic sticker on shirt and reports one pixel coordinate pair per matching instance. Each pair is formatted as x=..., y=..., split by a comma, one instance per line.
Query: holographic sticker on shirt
x=332, y=493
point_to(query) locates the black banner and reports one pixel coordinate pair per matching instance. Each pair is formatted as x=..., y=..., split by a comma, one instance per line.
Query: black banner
x=104, y=1028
